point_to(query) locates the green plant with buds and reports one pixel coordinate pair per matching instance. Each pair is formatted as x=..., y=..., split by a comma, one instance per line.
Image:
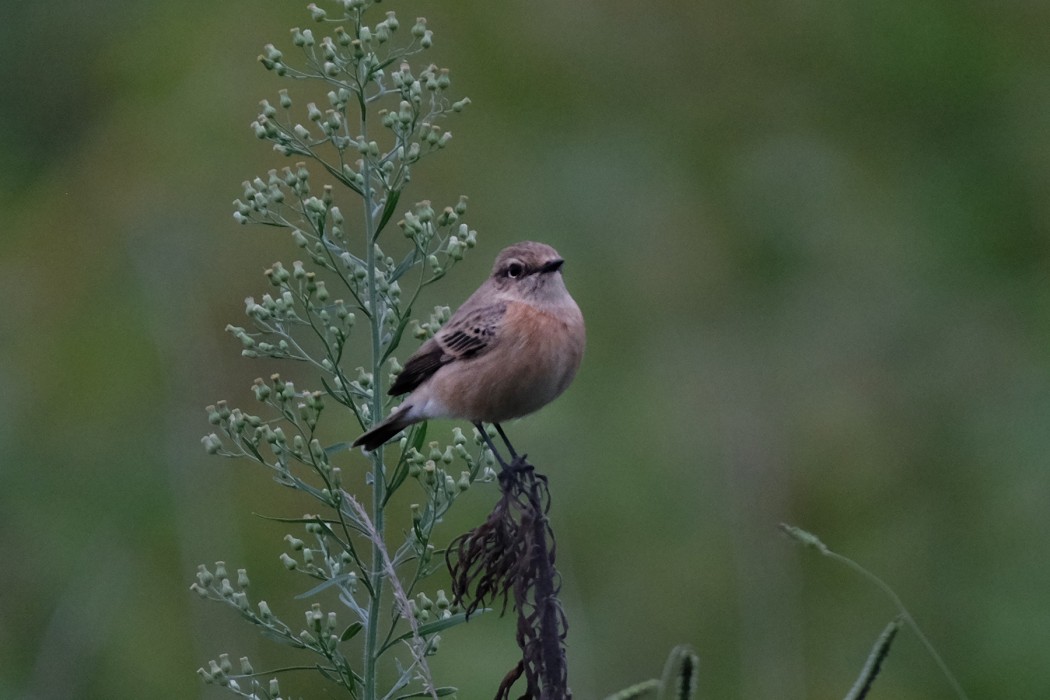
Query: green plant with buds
x=352, y=294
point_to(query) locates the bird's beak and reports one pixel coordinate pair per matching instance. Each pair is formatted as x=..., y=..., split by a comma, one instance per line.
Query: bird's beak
x=553, y=265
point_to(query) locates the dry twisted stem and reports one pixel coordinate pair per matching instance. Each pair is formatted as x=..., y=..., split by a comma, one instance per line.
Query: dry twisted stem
x=511, y=556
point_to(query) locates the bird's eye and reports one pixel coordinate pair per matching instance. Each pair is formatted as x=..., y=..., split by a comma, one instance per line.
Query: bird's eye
x=515, y=270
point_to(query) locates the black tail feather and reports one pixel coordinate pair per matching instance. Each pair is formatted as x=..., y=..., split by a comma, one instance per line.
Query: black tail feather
x=383, y=432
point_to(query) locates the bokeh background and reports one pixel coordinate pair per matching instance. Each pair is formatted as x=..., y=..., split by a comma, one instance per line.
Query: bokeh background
x=812, y=243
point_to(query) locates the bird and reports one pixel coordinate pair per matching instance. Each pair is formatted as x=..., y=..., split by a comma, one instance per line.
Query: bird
x=512, y=347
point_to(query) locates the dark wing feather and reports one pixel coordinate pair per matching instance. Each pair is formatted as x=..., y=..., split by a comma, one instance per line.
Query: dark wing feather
x=462, y=338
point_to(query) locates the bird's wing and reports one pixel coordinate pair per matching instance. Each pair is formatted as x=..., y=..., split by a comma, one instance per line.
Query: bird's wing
x=465, y=336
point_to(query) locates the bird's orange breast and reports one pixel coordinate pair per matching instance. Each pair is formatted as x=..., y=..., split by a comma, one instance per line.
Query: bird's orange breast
x=532, y=360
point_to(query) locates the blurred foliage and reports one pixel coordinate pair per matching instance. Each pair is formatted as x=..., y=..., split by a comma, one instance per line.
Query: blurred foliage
x=811, y=241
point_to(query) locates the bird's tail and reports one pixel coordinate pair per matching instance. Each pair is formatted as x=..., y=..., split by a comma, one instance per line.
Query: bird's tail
x=380, y=434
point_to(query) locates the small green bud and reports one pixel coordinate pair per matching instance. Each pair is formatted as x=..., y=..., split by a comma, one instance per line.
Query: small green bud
x=264, y=611
x=314, y=617
x=464, y=481
x=204, y=576
x=212, y=443
x=442, y=600
x=199, y=590
x=286, y=101
x=404, y=112
x=260, y=389
x=246, y=667
x=458, y=438
x=455, y=248
x=430, y=472
x=213, y=415
x=316, y=12
x=242, y=578
x=435, y=450
x=420, y=27
x=289, y=563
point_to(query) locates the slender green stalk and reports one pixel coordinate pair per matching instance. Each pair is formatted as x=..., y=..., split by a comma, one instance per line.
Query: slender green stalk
x=371, y=658
x=811, y=540
x=905, y=615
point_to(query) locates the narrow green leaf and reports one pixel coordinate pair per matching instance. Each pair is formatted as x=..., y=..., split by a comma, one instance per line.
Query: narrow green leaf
x=312, y=519
x=433, y=627
x=440, y=692
x=351, y=629
x=339, y=396
x=639, y=690
x=323, y=585
x=395, y=339
x=404, y=266
x=388, y=211
x=416, y=437
x=337, y=447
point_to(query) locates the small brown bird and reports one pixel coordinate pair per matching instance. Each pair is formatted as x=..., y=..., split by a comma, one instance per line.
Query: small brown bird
x=510, y=349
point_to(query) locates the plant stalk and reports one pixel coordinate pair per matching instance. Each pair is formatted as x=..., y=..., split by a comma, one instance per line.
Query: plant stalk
x=372, y=644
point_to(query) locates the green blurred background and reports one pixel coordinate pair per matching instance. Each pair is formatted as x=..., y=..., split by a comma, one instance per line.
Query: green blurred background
x=812, y=243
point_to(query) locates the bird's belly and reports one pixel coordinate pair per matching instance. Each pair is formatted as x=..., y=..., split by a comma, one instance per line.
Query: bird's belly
x=520, y=377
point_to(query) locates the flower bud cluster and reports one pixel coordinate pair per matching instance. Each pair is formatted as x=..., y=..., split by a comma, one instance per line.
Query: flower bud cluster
x=262, y=199
x=217, y=585
x=442, y=234
x=247, y=435
x=438, y=318
x=424, y=609
x=435, y=472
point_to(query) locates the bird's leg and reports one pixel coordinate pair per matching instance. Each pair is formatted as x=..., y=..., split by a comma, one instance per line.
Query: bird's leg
x=492, y=447
x=513, y=454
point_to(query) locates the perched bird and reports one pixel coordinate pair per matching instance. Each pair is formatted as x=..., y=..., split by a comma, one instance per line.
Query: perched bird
x=509, y=350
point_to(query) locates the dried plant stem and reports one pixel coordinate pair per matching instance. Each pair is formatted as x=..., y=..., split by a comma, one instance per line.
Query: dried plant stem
x=512, y=554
